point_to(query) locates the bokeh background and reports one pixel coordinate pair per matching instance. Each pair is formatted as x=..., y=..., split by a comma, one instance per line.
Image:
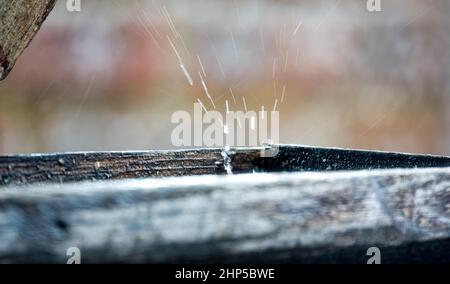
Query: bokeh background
x=106, y=78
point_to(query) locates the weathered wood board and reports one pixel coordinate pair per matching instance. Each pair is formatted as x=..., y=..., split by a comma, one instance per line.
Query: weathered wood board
x=20, y=20
x=256, y=218
x=69, y=167
x=273, y=212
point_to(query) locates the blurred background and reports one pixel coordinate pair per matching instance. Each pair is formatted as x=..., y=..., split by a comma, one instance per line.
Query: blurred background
x=107, y=78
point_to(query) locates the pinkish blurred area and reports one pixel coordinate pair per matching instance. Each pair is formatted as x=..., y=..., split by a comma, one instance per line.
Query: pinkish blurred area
x=107, y=78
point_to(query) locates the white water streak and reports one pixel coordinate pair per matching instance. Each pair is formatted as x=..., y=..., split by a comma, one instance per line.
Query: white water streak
x=245, y=104
x=149, y=20
x=206, y=90
x=149, y=34
x=170, y=22
x=234, y=44
x=232, y=94
x=201, y=66
x=183, y=68
x=297, y=28
x=286, y=61
x=201, y=104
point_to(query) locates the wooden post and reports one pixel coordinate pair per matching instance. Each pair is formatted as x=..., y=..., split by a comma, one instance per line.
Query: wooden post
x=20, y=20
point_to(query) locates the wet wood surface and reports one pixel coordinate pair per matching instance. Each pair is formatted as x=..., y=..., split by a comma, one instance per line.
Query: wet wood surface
x=93, y=166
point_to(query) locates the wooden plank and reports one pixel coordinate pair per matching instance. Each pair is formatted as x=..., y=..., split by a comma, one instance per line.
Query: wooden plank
x=68, y=167
x=20, y=20
x=287, y=217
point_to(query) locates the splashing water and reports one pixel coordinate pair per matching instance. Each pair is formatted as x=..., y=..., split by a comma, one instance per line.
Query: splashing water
x=180, y=61
x=297, y=28
x=283, y=93
x=245, y=104
x=206, y=90
x=226, y=155
x=201, y=104
x=232, y=94
x=201, y=65
x=186, y=73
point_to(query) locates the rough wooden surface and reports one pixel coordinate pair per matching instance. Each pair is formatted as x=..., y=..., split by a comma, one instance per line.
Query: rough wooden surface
x=273, y=213
x=68, y=167
x=20, y=20
x=291, y=217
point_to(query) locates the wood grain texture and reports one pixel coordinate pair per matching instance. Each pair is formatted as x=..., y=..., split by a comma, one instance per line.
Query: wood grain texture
x=69, y=167
x=290, y=217
x=20, y=20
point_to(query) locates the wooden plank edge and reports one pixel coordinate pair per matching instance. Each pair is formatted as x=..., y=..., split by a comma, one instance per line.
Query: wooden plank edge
x=307, y=217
